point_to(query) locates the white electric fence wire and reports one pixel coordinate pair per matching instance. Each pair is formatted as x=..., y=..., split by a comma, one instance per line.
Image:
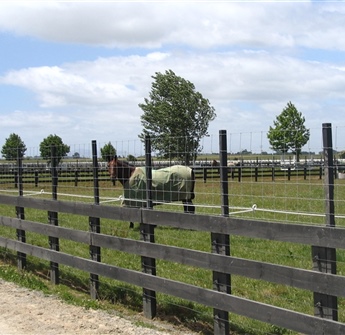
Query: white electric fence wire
x=32, y=193
x=121, y=198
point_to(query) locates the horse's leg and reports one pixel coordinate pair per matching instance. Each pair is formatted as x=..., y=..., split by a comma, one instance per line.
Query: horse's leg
x=131, y=225
x=188, y=206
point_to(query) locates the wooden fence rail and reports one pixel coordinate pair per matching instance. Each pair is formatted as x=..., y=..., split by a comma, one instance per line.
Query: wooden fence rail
x=304, y=279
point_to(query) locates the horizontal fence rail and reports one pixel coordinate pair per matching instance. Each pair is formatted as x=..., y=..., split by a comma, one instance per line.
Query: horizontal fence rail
x=304, y=279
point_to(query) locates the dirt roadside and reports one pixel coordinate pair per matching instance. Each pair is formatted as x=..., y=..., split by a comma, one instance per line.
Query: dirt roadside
x=28, y=312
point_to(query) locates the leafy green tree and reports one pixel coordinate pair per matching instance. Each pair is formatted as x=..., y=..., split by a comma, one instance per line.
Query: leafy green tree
x=108, y=151
x=10, y=148
x=175, y=116
x=289, y=131
x=61, y=149
x=131, y=158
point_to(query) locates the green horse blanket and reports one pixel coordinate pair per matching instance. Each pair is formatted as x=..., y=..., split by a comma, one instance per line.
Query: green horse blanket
x=168, y=184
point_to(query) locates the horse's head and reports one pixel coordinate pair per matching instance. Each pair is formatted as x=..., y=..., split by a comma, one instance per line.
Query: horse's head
x=112, y=167
x=119, y=169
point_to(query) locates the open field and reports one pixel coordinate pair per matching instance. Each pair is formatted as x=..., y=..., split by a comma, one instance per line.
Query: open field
x=297, y=200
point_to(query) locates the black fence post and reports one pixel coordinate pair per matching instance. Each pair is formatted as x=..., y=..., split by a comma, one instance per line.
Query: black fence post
x=36, y=178
x=95, y=225
x=53, y=216
x=21, y=257
x=15, y=179
x=221, y=242
x=76, y=176
x=324, y=259
x=147, y=232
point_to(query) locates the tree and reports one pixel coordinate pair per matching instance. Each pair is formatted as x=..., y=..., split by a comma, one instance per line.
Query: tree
x=108, y=151
x=61, y=149
x=175, y=116
x=289, y=131
x=131, y=158
x=13, y=145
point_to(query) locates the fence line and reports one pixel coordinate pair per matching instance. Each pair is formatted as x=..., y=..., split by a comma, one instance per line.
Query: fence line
x=205, y=172
x=326, y=285
x=299, y=278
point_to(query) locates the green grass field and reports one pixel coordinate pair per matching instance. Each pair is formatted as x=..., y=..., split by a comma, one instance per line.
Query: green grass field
x=294, y=201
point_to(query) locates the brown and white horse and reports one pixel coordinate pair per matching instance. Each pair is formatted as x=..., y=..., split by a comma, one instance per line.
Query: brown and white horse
x=175, y=183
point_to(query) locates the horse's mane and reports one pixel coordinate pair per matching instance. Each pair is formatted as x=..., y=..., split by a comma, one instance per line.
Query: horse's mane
x=124, y=163
x=119, y=162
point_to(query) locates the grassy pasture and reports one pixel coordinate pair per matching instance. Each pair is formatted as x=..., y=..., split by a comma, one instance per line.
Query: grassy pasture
x=279, y=200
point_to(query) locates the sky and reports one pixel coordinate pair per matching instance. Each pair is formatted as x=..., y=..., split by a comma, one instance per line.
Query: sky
x=79, y=69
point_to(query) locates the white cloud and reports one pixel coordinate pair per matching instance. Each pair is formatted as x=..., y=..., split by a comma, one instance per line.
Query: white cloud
x=201, y=25
x=59, y=87
x=241, y=76
x=107, y=24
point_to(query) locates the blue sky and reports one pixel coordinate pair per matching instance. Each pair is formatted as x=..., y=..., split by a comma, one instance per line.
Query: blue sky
x=80, y=69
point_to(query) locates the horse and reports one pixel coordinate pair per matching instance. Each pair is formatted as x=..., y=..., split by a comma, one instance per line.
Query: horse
x=175, y=183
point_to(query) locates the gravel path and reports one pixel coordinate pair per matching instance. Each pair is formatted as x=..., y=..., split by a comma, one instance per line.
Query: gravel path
x=28, y=312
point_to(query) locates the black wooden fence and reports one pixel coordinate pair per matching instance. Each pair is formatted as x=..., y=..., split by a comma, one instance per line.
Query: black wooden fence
x=242, y=171
x=323, y=241
x=207, y=173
